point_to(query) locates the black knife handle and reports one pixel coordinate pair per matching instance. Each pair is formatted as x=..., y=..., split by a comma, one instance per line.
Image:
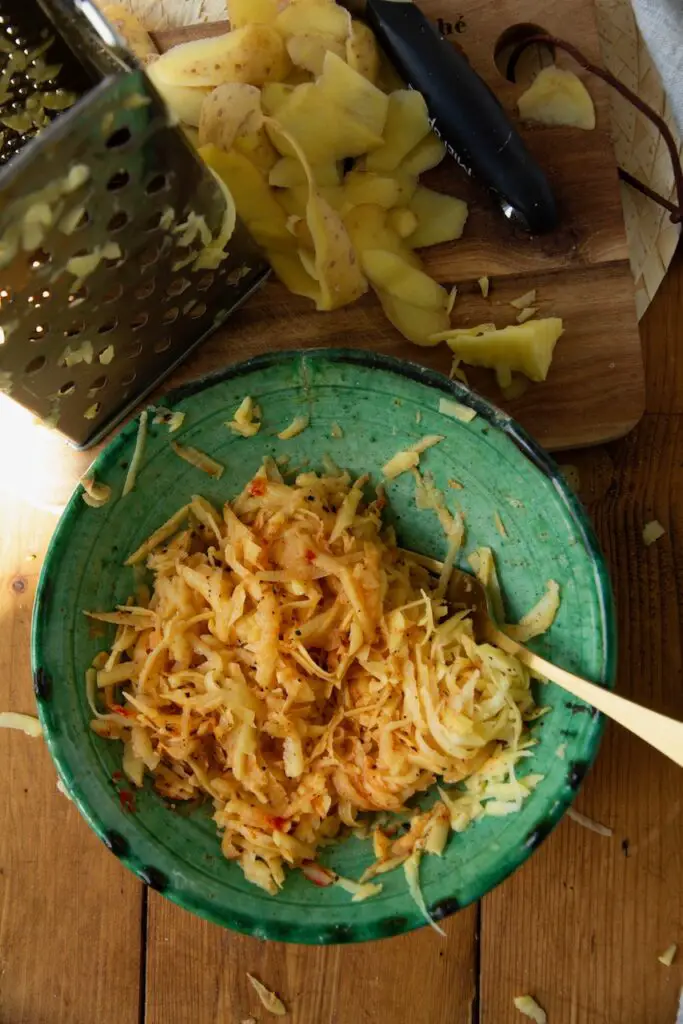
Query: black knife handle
x=464, y=113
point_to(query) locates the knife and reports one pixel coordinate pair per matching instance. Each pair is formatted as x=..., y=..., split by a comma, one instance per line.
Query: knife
x=464, y=112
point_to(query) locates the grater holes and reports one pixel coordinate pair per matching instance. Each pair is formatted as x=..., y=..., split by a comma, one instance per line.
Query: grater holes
x=77, y=297
x=198, y=309
x=118, y=181
x=38, y=333
x=205, y=282
x=77, y=327
x=144, y=292
x=117, y=221
x=118, y=138
x=158, y=183
x=97, y=385
x=40, y=258
x=128, y=378
x=171, y=315
x=154, y=222
x=136, y=350
x=177, y=287
x=138, y=321
x=67, y=388
x=150, y=256
x=162, y=346
x=35, y=366
x=114, y=294
x=110, y=325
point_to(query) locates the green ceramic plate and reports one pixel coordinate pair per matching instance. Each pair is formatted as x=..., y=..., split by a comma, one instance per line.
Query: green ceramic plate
x=377, y=401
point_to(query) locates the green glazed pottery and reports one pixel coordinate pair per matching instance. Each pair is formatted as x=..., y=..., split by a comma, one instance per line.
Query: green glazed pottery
x=381, y=405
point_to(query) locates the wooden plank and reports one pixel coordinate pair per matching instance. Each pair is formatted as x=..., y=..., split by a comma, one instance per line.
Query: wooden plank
x=69, y=913
x=582, y=924
x=591, y=393
x=198, y=972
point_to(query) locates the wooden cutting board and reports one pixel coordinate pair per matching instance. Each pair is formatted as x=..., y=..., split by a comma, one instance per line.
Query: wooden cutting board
x=595, y=389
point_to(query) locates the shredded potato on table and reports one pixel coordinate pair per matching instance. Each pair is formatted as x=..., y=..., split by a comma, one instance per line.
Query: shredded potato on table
x=301, y=671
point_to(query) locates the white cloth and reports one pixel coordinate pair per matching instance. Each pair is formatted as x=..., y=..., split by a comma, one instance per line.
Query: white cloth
x=661, y=26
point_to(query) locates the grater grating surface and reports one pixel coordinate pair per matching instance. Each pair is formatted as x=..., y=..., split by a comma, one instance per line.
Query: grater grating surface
x=124, y=191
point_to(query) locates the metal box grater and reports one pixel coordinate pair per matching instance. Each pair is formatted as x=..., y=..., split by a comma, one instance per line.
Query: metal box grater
x=103, y=215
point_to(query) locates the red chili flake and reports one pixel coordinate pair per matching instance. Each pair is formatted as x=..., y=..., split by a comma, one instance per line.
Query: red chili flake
x=277, y=823
x=257, y=487
x=119, y=709
x=117, y=776
x=310, y=555
x=381, y=503
x=127, y=800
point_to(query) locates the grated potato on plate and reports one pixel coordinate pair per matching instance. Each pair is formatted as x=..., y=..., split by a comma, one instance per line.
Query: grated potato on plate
x=298, y=669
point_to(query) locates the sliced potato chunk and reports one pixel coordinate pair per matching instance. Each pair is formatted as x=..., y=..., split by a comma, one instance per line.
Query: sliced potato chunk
x=319, y=17
x=558, y=97
x=251, y=12
x=308, y=51
x=258, y=148
x=254, y=54
x=362, y=53
x=403, y=221
x=406, y=125
x=323, y=133
x=428, y=153
x=254, y=199
x=390, y=273
x=369, y=229
x=440, y=218
x=362, y=188
x=415, y=323
x=273, y=95
x=527, y=348
x=347, y=89
x=288, y=172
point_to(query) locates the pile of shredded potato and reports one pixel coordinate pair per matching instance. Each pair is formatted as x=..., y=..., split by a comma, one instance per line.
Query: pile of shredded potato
x=298, y=668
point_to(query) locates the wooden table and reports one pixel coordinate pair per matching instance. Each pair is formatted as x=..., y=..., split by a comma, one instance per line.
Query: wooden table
x=580, y=925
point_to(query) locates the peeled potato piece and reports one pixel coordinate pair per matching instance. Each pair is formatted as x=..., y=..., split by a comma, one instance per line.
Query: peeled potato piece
x=525, y=348
x=362, y=53
x=429, y=152
x=251, y=12
x=132, y=30
x=558, y=97
x=351, y=92
x=389, y=273
x=254, y=54
x=406, y=125
x=440, y=218
x=308, y=51
x=229, y=111
x=416, y=324
x=183, y=101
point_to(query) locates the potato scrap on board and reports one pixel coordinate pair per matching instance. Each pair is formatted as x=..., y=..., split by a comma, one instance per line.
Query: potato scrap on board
x=272, y=1003
x=558, y=97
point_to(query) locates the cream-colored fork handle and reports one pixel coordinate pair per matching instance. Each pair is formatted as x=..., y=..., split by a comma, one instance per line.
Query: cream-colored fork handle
x=665, y=734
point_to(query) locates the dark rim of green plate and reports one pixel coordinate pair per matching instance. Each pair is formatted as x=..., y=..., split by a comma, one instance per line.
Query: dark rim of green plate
x=576, y=772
